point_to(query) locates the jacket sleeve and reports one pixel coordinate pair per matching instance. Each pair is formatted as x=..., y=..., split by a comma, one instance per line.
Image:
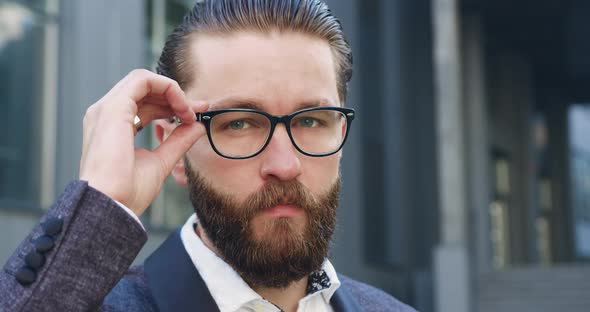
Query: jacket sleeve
x=70, y=261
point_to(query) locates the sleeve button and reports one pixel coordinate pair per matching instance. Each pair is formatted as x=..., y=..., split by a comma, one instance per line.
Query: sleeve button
x=44, y=244
x=52, y=226
x=35, y=260
x=25, y=276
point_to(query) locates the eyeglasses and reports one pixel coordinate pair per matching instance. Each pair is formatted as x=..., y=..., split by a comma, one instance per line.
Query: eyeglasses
x=243, y=133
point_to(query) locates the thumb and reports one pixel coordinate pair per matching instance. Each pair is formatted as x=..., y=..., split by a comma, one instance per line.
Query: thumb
x=178, y=143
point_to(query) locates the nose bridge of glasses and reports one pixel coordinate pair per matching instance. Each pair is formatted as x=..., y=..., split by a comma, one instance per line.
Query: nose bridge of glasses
x=280, y=131
x=276, y=121
x=280, y=119
x=279, y=123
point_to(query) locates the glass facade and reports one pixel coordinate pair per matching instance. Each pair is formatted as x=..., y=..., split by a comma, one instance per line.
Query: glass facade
x=28, y=44
x=540, y=208
x=172, y=207
x=579, y=127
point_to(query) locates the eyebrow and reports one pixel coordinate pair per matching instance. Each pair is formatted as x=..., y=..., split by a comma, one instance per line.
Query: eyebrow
x=231, y=104
x=251, y=104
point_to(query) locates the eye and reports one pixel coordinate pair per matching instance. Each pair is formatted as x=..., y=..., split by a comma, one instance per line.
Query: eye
x=238, y=124
x=307, y=122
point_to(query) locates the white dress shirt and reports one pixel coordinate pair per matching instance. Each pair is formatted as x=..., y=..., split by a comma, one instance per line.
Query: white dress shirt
x=229, y=290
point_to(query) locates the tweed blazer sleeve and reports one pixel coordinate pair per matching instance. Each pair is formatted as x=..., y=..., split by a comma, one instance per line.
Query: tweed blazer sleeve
x=69, y=262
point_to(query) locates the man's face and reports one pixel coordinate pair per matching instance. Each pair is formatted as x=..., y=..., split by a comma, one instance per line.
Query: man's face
x=278, y=73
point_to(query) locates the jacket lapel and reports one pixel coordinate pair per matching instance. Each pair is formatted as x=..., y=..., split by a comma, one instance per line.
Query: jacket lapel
x=176, y=284
x=174, y=281
x=342, y=301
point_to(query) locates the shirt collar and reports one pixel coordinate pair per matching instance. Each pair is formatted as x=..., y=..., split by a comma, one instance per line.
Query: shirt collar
x=226, y=286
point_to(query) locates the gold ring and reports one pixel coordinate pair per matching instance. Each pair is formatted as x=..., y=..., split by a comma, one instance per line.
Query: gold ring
x=174, y=120
x=137, y=123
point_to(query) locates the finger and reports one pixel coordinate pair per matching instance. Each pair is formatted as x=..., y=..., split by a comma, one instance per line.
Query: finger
x=88, y=125
x=154, y=100
x=178, y=143
x=197, y=105
x=149, y=112
x=200, y=106
x=141, y=83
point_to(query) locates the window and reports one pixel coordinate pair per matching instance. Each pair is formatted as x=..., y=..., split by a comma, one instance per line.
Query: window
x=28, y=63
x=172, y=207
x=579, y=127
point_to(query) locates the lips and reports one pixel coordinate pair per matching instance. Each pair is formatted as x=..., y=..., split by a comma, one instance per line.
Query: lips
x=283, y=210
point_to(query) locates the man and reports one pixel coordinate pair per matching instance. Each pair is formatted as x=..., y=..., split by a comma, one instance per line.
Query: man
x=267, y=81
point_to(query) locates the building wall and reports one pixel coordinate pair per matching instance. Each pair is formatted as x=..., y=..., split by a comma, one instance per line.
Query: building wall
x=389, y=203
x=527, y=92
x=388, y=218
x=96, y=44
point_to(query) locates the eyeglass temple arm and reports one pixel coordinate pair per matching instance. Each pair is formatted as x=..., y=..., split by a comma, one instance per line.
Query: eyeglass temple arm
x=176, y=119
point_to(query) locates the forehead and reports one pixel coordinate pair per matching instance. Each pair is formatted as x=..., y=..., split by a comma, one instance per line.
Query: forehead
x=277, y=71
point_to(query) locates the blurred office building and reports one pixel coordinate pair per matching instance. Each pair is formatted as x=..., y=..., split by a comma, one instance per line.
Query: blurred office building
x=466, y=180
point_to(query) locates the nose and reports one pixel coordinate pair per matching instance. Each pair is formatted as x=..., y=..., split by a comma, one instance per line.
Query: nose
x=280, y=158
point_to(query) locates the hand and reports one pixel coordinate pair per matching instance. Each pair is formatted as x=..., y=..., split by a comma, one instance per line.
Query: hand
x=110, y=162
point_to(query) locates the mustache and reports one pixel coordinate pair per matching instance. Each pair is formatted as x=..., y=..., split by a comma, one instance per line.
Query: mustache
x=272, y=260
x=276, y=193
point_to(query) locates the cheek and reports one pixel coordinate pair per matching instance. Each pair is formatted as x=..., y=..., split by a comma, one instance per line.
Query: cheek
x=202, y=156
x=236, y=177
x=321, y=173
x=240, y=178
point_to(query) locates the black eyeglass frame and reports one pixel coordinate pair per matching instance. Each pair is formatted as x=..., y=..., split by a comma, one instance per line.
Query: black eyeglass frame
x=206, y=117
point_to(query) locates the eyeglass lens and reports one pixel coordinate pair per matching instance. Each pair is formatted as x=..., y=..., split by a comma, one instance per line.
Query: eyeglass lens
x=240, y=134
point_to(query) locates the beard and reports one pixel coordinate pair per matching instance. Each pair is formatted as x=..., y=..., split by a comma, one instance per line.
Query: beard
x=286, y=252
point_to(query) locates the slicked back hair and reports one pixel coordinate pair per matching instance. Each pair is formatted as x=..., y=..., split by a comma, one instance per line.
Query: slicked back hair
x=312, y=17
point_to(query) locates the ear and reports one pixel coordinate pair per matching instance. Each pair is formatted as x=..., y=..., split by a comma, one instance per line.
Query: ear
x=162, y=129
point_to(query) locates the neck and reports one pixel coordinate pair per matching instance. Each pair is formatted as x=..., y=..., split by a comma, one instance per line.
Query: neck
x=286, y=298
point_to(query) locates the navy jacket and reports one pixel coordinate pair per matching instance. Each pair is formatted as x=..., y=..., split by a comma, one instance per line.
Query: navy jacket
x=78, y=258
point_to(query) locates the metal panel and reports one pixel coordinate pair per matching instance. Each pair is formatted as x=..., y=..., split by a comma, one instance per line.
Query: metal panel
x=387, y=218
x=100, y=41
